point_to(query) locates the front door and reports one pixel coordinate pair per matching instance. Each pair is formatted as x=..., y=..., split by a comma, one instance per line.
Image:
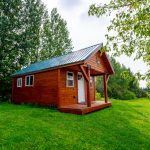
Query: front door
x=81, y=90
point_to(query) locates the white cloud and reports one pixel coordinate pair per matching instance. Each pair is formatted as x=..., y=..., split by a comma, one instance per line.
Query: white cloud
x=86, y=31
x=70, y=5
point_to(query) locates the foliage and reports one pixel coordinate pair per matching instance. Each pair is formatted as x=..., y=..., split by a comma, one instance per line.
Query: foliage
x=144, y=92
x=122, y=85
x=98, y=96
x=130, y=26
x=22, y=37
x=128, y=95
x=55, y=36
x=123, y=126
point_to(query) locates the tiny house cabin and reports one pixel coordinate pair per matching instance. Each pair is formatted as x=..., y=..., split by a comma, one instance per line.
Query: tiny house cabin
x=67, y=81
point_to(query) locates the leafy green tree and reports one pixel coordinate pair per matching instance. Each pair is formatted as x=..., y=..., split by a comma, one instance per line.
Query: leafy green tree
x=122, y=85
x=22, y=26
x=55, y=36
x=10, y=25
x=34, y=13
x=131, y=26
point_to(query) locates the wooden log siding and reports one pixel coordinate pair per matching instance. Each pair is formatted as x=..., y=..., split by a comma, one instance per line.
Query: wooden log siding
x=92, y=61
x=68, y=95
x=58, y=88
x=43, y=92
x=92, y=90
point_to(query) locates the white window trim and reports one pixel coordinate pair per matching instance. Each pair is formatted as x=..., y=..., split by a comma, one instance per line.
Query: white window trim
x=69, y=79
x=26, y=80
x=18, y=81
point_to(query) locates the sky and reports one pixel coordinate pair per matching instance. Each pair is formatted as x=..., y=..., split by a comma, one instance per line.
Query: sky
x=89, y=30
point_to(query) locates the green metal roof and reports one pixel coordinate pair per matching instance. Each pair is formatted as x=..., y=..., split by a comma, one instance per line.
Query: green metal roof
x=72, y=57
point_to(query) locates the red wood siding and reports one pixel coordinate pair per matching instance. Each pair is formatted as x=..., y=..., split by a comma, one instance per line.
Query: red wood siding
x=94, y=65
x=43, y=92
x=92, y=90
x=50, y=88
x=68, y=95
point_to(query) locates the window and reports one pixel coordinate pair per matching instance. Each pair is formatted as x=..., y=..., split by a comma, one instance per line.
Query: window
x=70, y=79
x=91, y=81
x=97, y=61
x=19, y=82
x=29, y=80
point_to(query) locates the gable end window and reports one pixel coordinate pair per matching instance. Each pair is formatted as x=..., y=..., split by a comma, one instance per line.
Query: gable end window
x=70, y=79
x=97, y=61
x=19, y=82
x=29, y=80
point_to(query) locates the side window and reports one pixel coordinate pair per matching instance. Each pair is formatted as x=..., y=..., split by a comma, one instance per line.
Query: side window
x=70, y=79
x=29, y=80
x=19, y=82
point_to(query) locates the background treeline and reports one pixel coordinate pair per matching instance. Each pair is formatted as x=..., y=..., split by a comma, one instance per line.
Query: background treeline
x=122, y=85
x=28, y=34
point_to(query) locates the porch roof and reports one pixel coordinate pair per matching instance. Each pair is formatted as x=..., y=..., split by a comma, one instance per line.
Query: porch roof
x=71, y=58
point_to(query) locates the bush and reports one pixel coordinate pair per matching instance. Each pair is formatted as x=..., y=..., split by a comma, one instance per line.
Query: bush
x=98, y=96
x=128, y=95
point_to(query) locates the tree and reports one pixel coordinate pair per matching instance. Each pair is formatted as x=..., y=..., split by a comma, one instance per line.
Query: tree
x=22, y=25
x=131, y=24
x=123, y=85
x=34, y=13
x=55, y=37
x=10, y=25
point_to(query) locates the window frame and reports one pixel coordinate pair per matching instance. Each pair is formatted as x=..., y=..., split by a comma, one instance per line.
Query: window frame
x=29, y=80
x=67, y=79
x=19, y=79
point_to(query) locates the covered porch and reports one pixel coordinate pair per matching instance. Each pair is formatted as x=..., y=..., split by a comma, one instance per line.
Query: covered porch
x=89, y=105
x=81, y=109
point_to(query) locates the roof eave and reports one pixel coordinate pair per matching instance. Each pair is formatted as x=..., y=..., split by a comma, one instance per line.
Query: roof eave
x=49, y=69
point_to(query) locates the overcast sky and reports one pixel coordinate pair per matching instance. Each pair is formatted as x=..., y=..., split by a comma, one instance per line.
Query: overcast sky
x=86, y=31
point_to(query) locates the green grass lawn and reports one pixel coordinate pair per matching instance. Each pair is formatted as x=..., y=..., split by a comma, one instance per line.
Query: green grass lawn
x=124, y=126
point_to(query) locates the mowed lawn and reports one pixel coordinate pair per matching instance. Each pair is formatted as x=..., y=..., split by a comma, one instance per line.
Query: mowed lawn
x=124, y=126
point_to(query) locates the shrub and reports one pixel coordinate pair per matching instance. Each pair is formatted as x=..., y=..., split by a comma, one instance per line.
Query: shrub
x=98, y=96
x=128, y=95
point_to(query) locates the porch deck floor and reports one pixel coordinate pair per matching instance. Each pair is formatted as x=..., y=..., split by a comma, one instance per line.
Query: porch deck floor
x=81, y=109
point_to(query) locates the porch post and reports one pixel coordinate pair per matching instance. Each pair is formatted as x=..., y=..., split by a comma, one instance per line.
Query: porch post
x=105, y=77
x=88, y=86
